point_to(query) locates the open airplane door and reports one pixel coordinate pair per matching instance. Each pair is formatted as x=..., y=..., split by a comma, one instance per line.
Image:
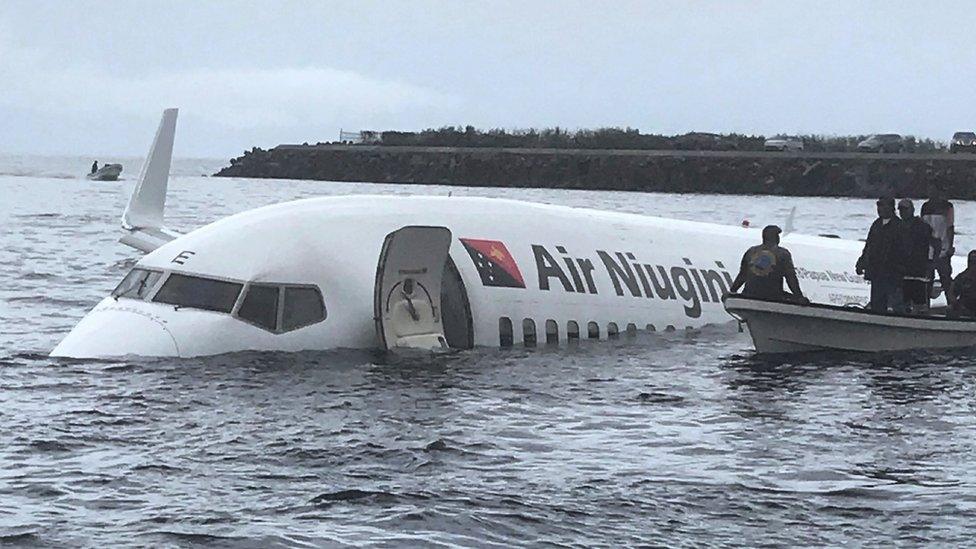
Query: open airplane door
x=407, y=296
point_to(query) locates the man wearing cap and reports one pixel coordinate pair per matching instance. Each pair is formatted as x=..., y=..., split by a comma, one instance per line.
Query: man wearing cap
x=918, y=241
x=883, y=260
x=764, y=267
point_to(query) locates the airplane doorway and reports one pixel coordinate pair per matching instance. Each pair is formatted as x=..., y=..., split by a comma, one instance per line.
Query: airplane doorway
x=419, y=299
x=455, y=308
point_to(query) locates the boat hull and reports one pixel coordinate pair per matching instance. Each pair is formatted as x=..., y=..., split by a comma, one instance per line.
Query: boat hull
x=108, y=172
x=789, y=328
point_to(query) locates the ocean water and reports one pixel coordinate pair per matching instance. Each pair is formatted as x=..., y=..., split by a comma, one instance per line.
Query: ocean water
x=677, y=439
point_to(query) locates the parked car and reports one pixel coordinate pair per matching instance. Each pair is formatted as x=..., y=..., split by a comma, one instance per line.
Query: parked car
x=963, y=141
x=784, y=143
x=882, y=142
x=703, y=141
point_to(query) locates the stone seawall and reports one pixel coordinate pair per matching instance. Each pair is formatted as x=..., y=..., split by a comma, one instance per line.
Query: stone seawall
x=728, y=172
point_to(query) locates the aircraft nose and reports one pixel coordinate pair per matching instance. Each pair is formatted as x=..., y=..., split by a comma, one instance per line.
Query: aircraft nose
x=111, y=332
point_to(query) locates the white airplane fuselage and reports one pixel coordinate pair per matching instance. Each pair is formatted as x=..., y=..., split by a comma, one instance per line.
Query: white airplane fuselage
x=571, y=265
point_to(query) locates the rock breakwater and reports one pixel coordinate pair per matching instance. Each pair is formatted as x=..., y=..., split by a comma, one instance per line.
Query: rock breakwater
x=724, y=172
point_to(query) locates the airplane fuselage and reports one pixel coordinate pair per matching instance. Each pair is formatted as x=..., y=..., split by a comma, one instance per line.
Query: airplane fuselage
x=536, y=268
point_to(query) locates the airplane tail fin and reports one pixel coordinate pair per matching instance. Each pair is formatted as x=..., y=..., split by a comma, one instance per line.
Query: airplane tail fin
x=788, y=225
x=142, y=221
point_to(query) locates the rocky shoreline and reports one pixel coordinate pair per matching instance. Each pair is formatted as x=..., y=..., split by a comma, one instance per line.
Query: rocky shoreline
x=723, y=172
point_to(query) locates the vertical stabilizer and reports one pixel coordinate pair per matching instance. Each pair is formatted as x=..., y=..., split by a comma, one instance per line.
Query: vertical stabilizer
x=143, y=217
x=788, y=226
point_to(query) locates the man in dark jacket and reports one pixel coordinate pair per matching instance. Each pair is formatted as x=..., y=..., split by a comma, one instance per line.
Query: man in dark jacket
x=918, y=241
x=764, y=268
x=962, y=293
x=883, y=260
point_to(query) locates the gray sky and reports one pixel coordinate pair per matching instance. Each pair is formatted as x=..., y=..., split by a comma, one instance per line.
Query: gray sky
x=93, y=77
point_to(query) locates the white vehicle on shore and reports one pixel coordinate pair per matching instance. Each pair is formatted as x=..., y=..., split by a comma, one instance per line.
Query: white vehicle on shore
x=784, y=143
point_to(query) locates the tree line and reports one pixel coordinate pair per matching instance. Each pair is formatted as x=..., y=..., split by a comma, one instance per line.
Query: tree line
x=616, y=138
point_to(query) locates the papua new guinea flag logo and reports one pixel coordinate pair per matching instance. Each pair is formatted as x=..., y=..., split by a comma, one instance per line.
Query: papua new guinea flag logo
x=495, y=265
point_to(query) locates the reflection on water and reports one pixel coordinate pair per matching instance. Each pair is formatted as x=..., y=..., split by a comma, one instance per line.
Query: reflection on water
x=669, y=438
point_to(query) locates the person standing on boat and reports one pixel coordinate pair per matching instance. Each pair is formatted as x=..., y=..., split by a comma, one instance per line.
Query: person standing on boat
x=962, y=293
x=94, y=166
x=940, y=215
x=883, y=260
x=918, y=242
x=764, y=268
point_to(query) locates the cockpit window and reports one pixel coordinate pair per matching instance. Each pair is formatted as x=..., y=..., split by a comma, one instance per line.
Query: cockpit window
x=137, y=284
x=281, y=308
x=260, y=306
x=199, y=293
x=303, y=306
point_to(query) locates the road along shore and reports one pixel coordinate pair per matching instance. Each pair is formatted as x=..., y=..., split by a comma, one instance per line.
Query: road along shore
x=724, y=172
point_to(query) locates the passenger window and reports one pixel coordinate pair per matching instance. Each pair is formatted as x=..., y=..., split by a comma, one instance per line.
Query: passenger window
x=528, y=332
x=572, y=330
x=651, y=328
x=303, y=307
x=199, y=293
x=593, y=330
x=612, y=331
x=505, y=331
x=137, y=284
x=631, y=330
x=260, y=306
x=552, y=332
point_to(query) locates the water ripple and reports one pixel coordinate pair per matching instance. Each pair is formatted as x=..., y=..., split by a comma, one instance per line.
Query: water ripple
x=673, y=439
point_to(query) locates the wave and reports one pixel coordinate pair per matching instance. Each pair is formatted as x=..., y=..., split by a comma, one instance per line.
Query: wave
x=356, y=495
x=22, y=539
x=77, y=167
x=39, y=173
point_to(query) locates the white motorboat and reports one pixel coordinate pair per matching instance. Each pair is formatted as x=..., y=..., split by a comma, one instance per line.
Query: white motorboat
x=108, y=172
x=778, y=327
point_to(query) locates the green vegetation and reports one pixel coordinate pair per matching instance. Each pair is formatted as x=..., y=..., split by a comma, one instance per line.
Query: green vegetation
x=559, y=138
x=620, y=138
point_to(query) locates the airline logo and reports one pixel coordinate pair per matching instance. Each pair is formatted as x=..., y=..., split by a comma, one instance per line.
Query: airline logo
x=624, y=274
x=495, y=264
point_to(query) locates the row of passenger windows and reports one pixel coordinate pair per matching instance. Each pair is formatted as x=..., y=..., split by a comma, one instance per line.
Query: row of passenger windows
x=273, y=307
x=506, y=334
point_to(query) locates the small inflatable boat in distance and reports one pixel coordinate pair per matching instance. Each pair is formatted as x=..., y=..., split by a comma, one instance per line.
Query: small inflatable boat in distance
x=778, y=327
x=108, y=172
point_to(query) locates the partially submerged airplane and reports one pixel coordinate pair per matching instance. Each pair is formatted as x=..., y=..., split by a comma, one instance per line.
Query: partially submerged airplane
x=420, y=272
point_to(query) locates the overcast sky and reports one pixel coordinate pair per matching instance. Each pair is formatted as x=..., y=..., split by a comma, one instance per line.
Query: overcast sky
x=93, y=77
